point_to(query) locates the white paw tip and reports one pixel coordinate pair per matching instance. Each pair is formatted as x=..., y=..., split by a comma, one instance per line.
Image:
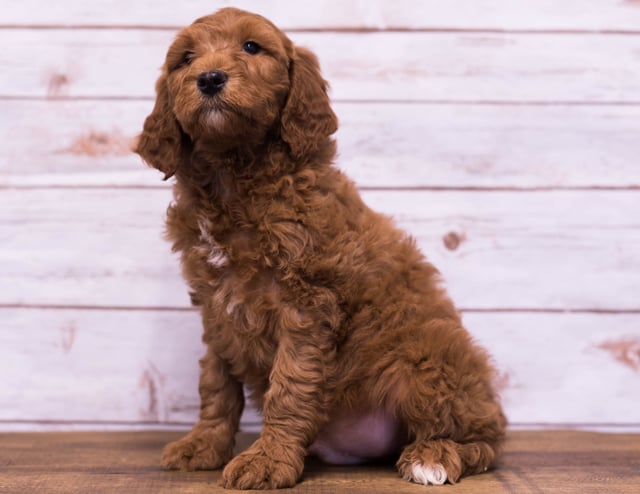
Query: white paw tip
x=428, y=474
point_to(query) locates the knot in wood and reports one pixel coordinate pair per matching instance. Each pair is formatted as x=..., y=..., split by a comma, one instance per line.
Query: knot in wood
x=452, y=240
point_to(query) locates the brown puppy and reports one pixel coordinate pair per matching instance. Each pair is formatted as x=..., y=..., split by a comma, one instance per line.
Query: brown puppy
x=322, y=308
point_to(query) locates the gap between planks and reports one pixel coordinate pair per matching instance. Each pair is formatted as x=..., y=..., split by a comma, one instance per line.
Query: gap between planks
x=339, y=30
x=400, y=188
x=364, y=101
x=464, y=310
x=88, y=425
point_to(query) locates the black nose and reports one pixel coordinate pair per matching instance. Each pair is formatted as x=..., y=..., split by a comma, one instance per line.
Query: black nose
x=210, y=83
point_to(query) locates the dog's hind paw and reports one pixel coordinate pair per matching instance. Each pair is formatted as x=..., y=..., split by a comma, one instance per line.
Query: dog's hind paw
x=428, y=474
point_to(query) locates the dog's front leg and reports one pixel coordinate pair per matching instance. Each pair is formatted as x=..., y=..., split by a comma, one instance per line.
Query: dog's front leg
x=210, y=444
x=294, y=410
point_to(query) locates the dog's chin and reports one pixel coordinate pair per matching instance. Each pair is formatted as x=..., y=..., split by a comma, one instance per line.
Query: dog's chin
x=222, y=127
x=217, y=120
x=215, y=115
x=212, y=123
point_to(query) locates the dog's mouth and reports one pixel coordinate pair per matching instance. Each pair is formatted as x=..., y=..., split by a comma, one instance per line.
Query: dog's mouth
x=214, y=104
x=221, y=111
x=217, y=111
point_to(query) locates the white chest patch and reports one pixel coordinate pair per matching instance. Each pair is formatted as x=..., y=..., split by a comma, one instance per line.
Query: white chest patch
x=216, y=256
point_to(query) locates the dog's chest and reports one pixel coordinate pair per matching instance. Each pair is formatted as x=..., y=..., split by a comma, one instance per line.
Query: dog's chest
x=209, y=248
x=241, y=299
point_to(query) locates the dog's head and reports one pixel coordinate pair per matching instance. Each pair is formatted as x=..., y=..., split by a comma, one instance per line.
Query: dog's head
x=231, y=80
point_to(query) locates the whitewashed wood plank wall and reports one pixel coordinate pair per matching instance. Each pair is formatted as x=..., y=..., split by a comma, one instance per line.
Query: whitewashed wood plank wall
x=504, y=134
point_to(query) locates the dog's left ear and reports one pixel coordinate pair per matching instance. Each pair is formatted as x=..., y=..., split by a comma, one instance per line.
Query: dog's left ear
x=162, y=142
x=307, y=119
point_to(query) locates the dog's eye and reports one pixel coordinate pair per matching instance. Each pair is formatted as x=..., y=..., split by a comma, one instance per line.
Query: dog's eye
x=187, y=58
x=251, y=47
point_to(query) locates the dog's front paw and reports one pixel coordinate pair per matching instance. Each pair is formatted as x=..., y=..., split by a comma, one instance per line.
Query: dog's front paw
x=200, y=450
x=260, y=468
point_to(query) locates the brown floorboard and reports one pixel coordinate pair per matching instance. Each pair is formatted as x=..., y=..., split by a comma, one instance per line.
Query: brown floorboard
x=127, y=462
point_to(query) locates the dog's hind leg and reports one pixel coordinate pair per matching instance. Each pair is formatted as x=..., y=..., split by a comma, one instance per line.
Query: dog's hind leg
x=437, y=461
x=453, y=445
x=439, y=386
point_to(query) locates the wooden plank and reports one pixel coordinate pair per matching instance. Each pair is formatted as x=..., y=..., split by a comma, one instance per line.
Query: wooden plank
x=571, y=462
x=109, y=366
x=142, y=366
x=560, y=250
x=64, y=142
x=554, y=368
x=83, y=246
x=117, y=366
x=390, y=66
x=337, y=14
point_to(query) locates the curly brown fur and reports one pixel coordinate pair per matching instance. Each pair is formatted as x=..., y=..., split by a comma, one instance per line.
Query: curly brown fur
x=322, y=308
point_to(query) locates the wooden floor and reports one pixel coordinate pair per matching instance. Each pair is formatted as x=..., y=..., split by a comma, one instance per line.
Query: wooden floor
x=126, y=462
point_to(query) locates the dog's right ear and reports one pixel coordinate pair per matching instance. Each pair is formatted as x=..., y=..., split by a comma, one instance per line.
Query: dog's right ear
x=162, y=142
